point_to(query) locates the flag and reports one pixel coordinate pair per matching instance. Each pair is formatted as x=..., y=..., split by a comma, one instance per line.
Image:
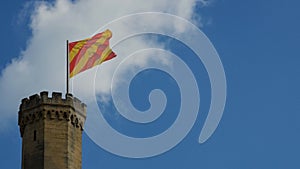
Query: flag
x=87, y=53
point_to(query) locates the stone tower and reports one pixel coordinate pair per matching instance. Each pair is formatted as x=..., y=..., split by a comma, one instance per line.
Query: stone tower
x=51, y=130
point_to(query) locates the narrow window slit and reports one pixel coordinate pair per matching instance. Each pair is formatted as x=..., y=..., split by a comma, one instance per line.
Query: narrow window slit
x=34, y=135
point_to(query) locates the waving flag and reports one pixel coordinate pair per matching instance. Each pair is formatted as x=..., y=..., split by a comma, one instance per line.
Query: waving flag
x=87, y=53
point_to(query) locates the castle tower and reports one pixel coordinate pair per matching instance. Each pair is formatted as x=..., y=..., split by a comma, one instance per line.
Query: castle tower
x=51, y=130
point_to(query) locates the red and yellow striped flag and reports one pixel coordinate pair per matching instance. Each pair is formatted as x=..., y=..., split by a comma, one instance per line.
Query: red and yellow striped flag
x=87, y=53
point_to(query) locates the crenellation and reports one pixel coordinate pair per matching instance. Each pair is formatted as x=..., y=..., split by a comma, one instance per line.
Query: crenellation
x=34, y=97
x=44, y=97
x=25, y=101
x=55, y=100
x=57, y=97
x=30, y=109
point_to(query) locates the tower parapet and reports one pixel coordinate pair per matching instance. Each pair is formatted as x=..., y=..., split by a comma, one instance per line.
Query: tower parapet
x=38, y=107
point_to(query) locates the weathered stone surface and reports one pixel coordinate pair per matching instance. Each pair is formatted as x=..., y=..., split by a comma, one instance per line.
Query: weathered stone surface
x=51, y=129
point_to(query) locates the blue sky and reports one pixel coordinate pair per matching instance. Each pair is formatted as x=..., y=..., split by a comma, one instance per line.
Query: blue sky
x=258, y=44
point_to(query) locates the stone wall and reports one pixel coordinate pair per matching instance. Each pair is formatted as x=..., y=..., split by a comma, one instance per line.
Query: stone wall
x=51, y=129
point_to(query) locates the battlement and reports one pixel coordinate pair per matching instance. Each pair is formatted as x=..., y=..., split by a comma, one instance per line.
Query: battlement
x=38, y=107
x=56, y=99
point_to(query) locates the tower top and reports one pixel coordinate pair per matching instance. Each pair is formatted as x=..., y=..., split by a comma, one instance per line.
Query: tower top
x=56, y=99
x=42, y=106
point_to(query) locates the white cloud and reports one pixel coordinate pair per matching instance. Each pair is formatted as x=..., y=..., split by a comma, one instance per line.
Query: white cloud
x=41, y=66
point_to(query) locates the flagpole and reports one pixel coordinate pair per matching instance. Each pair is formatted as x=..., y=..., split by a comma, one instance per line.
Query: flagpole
x=67, y=78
